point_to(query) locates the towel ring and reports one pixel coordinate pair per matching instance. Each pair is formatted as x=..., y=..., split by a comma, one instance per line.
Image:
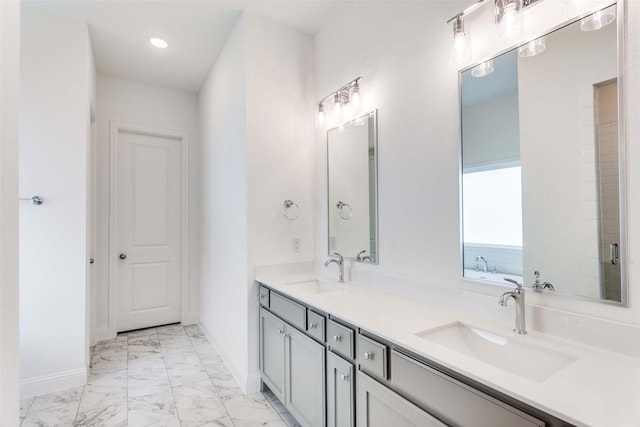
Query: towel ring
x=291, y=210
x=35, y=200
x=344, y=210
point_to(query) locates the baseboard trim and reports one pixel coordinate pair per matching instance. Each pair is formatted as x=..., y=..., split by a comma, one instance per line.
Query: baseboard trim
x=104, y=334
x=191, y=319
x=253, y=383
x=54, y=382
x=242, y=380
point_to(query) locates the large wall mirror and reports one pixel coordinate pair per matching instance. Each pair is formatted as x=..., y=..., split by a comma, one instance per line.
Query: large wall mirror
x=543, y=163
x=352, y=189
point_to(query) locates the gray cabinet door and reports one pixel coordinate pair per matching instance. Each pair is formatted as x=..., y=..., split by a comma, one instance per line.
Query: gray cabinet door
x=378, y=406
x=340, y=392
x=305, y=376
x=272, y=361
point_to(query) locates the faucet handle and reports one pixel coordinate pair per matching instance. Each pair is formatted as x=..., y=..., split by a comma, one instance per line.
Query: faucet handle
x=515, y=282
x=340, y=258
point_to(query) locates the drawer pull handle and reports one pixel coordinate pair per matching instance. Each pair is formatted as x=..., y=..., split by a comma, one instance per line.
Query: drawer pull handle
x=344, y=377
x=313, y=325
x=337, y=338
x=368, y=356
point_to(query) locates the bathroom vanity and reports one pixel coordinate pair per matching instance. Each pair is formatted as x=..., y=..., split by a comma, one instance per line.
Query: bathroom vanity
x=347, y=355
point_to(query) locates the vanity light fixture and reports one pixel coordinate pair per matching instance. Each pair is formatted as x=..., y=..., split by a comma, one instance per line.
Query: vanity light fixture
x=158, y=42
x=508, y=16
x=533, y=48
x=346, y=102
x=483, y=69
x=598, y=20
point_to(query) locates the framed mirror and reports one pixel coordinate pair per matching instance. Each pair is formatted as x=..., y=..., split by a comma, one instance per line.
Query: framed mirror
x=352, y=189
x=543, y=163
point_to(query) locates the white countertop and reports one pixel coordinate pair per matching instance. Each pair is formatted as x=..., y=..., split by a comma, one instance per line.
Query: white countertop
x=600, y=389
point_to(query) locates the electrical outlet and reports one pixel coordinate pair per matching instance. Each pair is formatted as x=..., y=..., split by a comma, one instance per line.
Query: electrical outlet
x=296, y=245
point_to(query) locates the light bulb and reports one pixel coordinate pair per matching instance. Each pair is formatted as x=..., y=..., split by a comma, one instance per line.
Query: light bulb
x=320, y=118
x=509, y=19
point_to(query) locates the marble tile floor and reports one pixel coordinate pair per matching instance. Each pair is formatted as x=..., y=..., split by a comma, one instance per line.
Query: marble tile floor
x=162, y=377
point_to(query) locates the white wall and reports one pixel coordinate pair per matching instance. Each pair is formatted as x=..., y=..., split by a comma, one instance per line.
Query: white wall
x=406, y=76
x=9, y=132
x=491, y=132
x=256, y=118
x=280, y=150
x=134, y=103
x=55, y=102
x=223, y=215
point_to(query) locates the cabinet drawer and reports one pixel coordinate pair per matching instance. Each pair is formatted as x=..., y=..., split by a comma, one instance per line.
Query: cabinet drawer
x=340, y=339
x=290, y=311
x=315, y=325
x=264, y=296
x=372, y=356
x=451, y=400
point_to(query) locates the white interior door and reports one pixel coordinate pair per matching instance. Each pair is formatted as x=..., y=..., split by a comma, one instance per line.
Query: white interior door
x=148, y=225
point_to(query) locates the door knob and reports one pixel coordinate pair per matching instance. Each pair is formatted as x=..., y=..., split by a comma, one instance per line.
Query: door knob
x=123, y=256
x=91, y=260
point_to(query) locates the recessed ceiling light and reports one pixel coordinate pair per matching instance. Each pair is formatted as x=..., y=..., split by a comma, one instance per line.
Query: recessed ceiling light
x=159, y=43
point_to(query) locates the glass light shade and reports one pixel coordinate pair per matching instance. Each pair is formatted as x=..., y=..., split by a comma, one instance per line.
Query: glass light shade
x=533, y=48
x=460, y=54
x=320, y=119
x=509, y=19
x=598, y=20
x=337, y=107
x=355, y=98
x=482, y=70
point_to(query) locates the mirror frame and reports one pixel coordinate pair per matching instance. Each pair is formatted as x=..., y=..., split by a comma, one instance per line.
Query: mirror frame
x=621, y=55
x=374, y=115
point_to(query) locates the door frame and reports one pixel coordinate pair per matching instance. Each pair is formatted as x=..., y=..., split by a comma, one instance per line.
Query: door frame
x=183, y=138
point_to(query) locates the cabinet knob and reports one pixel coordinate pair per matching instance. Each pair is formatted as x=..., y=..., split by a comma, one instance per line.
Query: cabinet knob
x=344, y=377
x=280, y=331
x=313, y=325
x=368, y=356
x=262, y=296
x=337, y=338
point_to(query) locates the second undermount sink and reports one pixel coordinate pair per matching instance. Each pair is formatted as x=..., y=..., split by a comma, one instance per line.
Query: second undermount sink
x=315, y=286
x=523, y=359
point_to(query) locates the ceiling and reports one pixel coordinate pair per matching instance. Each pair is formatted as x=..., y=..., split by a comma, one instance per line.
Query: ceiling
x=195, y=30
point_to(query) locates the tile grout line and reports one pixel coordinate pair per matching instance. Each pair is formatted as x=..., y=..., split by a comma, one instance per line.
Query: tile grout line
x=164, y=360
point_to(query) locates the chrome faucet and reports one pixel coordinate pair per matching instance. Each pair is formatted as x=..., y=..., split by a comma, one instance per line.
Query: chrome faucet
x=359, y=257
x=518, y=295
x=539, y=287
x=485, y=264
x=340, y=263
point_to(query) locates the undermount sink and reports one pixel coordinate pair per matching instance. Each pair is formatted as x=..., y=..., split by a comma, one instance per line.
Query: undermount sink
x=522, y=359
x=315, y=286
